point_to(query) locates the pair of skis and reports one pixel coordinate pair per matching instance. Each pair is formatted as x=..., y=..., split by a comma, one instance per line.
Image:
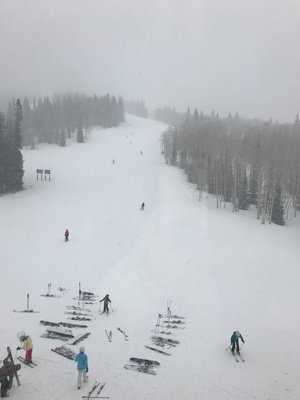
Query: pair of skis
x=123, y=333
x=237, y=356
x=95, y=392
x=108, y=335
x=30, y=364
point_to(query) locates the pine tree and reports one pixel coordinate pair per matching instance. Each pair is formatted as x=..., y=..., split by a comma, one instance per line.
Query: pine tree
x=277, y=216
x=80, y=138
x=18, y=116
x=62, y=138
x=3, y=149
x=243, y=191
x=253, y=187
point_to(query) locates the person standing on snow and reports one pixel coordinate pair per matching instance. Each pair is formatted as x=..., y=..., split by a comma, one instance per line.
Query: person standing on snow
x=105, y=300
x=235, y=341
x=27, y=346
x=66, y=235
x=142, y=206
x=82, y=366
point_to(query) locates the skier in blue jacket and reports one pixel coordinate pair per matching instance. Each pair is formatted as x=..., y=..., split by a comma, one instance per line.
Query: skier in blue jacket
x=235, y=341
x=82, y=366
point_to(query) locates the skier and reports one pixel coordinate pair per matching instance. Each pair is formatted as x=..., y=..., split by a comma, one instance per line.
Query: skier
x=82, y=366
x=142, y=206
x=66, y=235
x=27, y=346
x=105, y=300
x=235, y=341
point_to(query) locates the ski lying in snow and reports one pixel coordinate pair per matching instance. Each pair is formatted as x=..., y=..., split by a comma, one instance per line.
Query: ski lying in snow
x=27, y=311
x=65, y=352
x=77, y=308
x=49, y=323
x=30, y=364
x=169, y=326
x=64, y=332
x=157, y=350
x=70, y=325
x=167, y=316
x=54, y=336
x=101, y=388
x=52, y=296
x=146, y=369
x=162, y=332
x=92, y=391
x=161, y=341
x=144, y=361
x=173, y=321
x=123, y=333
x=77, y=318
x=80, y=338
x=78, y=313
x=109, y=335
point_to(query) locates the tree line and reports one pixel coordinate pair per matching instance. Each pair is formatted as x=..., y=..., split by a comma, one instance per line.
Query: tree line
x=240, y=161
x=53, y=120
x=46, y=120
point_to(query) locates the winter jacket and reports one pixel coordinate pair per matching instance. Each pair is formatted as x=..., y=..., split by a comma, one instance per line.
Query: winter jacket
x=82, y=361
x=235, y=338
x=27, y=344
x=105, y=299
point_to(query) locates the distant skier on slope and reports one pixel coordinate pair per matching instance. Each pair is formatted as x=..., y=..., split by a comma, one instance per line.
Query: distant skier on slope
x=235, y=341
x=142, y=206
x=66, y=235
x=106, y=301
x=82, y=366
x=26, y=345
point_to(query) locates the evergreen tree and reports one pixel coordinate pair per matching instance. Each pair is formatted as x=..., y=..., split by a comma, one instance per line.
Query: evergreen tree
x=243, y=191
x=277, y=216
x=18, y=116
x=252, y=195
x=3, y=149
x=79, y=136
x=62, y=138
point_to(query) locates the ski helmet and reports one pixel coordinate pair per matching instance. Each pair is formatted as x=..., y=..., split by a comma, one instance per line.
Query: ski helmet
x=81, y=349
x=21, y=335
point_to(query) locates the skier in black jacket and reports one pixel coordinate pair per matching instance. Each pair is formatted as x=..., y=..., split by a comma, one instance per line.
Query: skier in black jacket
x=105, y=300
x=235, y=341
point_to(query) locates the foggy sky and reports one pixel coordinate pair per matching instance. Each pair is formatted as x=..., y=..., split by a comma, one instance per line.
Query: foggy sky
x=230, y=55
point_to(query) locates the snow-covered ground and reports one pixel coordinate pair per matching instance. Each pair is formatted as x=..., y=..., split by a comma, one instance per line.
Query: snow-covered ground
x=221, y=271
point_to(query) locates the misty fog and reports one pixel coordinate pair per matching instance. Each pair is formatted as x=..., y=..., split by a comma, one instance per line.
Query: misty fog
x=229, y=56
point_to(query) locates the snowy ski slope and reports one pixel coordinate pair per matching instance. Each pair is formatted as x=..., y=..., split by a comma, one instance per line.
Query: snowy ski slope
x=222, y=271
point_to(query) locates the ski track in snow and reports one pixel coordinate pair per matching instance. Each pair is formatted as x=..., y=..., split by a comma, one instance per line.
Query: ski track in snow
x=222, y=271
